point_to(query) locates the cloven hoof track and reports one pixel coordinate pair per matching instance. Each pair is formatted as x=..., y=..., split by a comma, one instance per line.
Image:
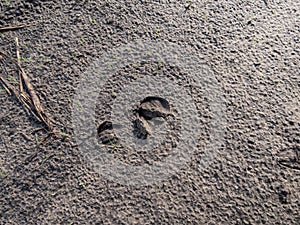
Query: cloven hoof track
x=105, y=132
x=150, y=108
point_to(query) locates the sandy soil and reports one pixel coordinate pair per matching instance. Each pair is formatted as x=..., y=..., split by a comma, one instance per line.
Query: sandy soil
x=253, y=49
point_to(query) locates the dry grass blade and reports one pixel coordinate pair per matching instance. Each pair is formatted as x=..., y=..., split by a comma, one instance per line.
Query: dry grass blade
x=15, y=27
x=36, y=107
x=4, y=84
x=8, y=87
x=22, y=97
x=19, y=63
x=26, y=93
x=25, y=99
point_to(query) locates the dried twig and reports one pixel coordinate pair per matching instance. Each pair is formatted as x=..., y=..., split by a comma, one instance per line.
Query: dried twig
x=14, y=27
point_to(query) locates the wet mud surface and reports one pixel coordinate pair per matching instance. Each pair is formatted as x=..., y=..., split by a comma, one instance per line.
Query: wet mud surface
x=253, y=49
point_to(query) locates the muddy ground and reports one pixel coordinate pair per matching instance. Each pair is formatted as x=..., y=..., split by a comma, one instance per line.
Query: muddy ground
x=253, y=49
